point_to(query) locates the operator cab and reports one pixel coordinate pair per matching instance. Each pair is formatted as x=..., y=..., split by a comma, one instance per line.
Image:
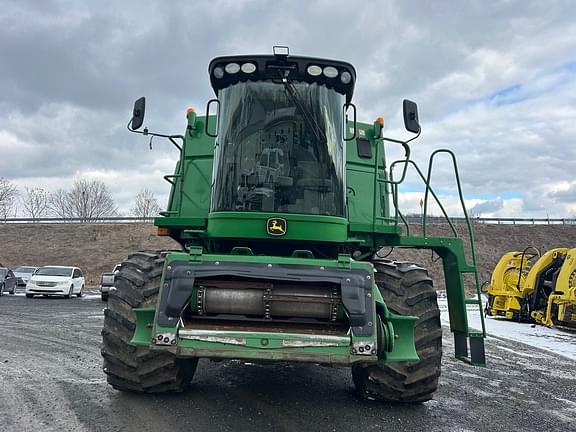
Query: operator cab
x=280, y=134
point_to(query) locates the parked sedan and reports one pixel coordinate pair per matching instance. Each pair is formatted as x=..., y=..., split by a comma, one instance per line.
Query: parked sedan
x=7, y=281
x=23, y=274
x=56, y=280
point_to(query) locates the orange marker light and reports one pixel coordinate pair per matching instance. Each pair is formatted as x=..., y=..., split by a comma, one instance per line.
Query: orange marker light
x=380, y=121
x=190, y=110
x=163, y=231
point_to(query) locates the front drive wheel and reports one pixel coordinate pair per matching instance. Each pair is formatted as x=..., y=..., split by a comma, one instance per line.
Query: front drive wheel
x=137, y=368
x=80, y=292
x=407, y=290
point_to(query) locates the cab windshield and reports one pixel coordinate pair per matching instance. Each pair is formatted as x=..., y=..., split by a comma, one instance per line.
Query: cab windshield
x=279, y=149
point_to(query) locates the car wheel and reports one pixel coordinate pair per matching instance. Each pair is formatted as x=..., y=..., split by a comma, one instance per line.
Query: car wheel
x=69, y=292
x=29, y=295
x=1, y=290
x=104, y=296
x=13, y=290
x=80, y=293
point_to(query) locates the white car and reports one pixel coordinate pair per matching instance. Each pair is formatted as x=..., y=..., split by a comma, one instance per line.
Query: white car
x=56, y=280
x=24, y=273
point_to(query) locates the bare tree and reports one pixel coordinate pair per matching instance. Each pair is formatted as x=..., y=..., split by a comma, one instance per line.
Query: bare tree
x=8, y=193
x=87, y=200
x=58, y=204
x=146, y=204
x=35, y=202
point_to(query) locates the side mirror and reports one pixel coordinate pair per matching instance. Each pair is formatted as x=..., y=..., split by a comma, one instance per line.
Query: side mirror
x=411, y=116
x=349, y=133
x=209, y=105
x=138, y=113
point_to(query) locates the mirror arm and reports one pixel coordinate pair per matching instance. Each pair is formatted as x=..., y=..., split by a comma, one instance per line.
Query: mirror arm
x=170, y=137
x=406, y=156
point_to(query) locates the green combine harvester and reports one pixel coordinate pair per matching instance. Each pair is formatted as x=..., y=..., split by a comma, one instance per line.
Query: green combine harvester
x=281, y=201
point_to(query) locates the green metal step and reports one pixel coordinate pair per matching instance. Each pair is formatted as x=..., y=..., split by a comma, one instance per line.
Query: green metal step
x=468, y=269
x=473, y=301
x=477, y=354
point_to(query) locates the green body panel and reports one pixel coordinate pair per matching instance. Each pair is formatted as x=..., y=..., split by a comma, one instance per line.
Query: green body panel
x=291, y=346
x=300, y=227
x=369, y=226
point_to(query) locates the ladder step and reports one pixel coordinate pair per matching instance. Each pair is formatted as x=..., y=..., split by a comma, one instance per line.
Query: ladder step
x=472, y=301
x=475, y=334
x=468, y=269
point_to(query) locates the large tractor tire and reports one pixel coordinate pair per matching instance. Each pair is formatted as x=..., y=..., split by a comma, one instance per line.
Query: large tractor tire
x=407, y=290
x=135, y=368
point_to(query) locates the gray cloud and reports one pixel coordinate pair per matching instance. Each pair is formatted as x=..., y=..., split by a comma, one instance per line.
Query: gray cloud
x=487, y=207
x=566, y=195
x=73, y=70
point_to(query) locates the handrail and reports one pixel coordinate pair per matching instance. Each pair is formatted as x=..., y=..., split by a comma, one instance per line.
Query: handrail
x=460, y=195
x=470, y=231
x=447, y=218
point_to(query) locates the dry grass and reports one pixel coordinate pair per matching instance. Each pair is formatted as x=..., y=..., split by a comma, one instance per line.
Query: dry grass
x=95, y=248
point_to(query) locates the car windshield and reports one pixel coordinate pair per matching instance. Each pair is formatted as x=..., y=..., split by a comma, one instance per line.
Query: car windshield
x=54, y=271
x=279, y=149
x=25, y=270
x=3, y=271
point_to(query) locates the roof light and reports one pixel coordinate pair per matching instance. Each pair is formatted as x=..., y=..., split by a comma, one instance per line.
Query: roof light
x=330, y=72
x=281, y=50
x=346, y=77
x=232, y=68
x=314, y=70
x=218, y=72
x=380, y=121
x=248, y=68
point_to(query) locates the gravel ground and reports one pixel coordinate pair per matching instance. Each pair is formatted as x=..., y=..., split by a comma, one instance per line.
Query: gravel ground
x=51, y=380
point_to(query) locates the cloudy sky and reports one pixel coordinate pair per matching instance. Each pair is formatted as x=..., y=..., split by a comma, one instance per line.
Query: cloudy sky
x=495, y=83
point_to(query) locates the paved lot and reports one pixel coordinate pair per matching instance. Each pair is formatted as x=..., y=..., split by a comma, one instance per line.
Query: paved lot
x=51, y=380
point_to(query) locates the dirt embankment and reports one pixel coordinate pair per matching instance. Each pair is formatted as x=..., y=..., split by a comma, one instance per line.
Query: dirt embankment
x=95, y=248
x=98, y=247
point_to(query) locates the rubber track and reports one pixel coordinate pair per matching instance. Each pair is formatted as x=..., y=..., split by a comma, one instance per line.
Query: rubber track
x=134, y=368
x=407, y=290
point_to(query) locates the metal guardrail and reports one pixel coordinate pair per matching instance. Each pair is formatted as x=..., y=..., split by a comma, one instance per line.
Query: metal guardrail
x=494, y=220
x=412, y=219
x=97, y=220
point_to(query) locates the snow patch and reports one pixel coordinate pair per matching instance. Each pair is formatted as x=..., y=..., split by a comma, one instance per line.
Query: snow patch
x=556, y=341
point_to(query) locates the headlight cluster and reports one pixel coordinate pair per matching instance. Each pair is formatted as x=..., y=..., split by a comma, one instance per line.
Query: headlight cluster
x=234, y=68
x=230, y=70
x=329, y=72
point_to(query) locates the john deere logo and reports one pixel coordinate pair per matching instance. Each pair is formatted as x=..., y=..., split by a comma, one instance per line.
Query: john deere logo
x=276, y=226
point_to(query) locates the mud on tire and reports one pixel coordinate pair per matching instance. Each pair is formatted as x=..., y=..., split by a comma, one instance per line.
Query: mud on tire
x=135, y=368
x=407, y=290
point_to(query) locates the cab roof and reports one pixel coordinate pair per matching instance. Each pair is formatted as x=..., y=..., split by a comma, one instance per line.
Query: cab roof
x=228, y=70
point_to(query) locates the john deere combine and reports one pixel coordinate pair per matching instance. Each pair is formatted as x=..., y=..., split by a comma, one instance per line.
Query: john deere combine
x=528, y=287
x=280, y=201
